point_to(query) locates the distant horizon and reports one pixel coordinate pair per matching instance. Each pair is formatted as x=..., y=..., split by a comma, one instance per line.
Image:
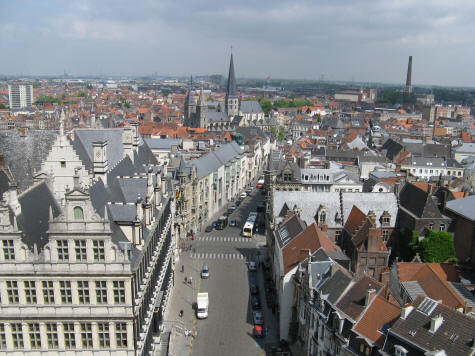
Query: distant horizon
x=238, y=78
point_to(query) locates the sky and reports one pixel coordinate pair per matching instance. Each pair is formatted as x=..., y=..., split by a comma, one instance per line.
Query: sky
x=360, y=40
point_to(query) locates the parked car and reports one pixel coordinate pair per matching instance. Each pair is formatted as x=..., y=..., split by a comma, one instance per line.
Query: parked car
x=233, y=207
x=233, y=223
x=214, y=223
x=254, y=289
x=258, y=332
x=205, y=272
x=209, y=228
x=230, y=211
x=258, y=317
x=243, y=195
x=256, y=302
x=238, y=202
x=249, y=190
x=252, y=266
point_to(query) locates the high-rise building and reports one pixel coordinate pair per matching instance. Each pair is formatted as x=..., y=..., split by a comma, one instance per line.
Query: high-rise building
x=20, y=95
x=408, y=88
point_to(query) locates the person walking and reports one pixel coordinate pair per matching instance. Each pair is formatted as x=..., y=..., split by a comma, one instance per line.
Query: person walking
x=181, y=313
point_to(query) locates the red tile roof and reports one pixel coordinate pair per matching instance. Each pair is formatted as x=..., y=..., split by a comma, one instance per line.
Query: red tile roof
x=379, y=312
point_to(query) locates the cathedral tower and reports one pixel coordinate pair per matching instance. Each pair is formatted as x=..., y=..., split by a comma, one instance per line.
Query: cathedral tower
x=202, y=111
x=231, y=100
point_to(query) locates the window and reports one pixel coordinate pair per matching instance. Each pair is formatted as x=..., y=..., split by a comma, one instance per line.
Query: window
x=12, y=292
x=121, y=334
x=386, y=220
x=48, y=292
x=17, y=335
x=442, y=227
x=69, y=337
x=86, y=335
x=119, y=292
x=323, y=217
x=3, y=340
x=98, y=247
x=30, y=292
x=63, y=253
x=431, y=226
x=63, y=164
x=52, y=335
x=103, y=331
x=83, y=292
x=338, y=236
x=78, y=213
x=35, y=338
x=385, y=236
x=65, y=291
x=399, y=350
x=8, y=250
x=101, y=292
x=81, y=251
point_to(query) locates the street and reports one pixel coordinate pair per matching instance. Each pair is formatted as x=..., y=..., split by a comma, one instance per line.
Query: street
x=228, y=330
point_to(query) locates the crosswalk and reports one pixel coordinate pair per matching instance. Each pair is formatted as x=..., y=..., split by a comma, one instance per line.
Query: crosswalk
x=218, y=256
x=223, y=239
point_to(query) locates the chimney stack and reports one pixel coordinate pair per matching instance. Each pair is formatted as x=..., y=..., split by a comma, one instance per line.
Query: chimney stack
x=369, y=296
x=409, y=76
x=405, y=311
x=435, y=323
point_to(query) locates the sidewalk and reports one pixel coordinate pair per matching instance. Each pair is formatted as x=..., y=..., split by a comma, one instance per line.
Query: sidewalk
x=181, y=299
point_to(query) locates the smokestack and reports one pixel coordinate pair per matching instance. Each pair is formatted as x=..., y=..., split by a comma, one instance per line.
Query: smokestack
x=409, y=76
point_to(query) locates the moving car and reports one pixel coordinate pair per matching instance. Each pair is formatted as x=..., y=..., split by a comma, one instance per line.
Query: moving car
x=205, y=272
x=233, y=223
x=209, y=228
x=258, y=317
x=258, y=332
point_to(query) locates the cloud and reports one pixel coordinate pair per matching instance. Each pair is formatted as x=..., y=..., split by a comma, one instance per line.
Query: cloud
x=366, y=39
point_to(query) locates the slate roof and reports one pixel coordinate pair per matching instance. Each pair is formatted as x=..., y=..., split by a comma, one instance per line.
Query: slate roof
x=24, y=155
x=309, y=203
x=466, y=148
x=464, y=207
x=214, y=159
x=132, y=187
x=122, y=213
x=251, y=107
x=231, y=86
x=162, y=143
x=455, y=335
x=335, y=286
x=417, y=201
x=34, y=217
x=289, y=229
x=84, y=138
x=353, y=302
x=218, y=116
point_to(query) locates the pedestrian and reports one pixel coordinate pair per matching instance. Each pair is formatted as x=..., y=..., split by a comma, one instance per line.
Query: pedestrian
x=182, y=268
x=185, y=279
x=181, y=313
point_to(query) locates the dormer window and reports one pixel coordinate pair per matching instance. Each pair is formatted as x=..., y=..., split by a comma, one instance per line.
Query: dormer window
x=63, y=164
x=78, y=213
x=385, y=219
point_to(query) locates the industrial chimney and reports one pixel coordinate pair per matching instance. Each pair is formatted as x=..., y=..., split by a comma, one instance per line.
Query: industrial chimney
x=409, y=76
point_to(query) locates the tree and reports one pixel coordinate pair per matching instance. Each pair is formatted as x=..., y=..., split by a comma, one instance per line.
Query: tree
x=438, y=247
x=281, y=133
x=82, y=94
x=165, y=92
x=3, y=106
x=273, y=131
x=266, y=105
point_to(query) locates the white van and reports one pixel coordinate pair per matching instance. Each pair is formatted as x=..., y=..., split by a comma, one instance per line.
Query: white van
x=202, y=305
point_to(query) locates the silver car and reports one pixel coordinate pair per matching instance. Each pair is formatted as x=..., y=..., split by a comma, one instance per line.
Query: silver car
x=258, y=317
x=205, y=272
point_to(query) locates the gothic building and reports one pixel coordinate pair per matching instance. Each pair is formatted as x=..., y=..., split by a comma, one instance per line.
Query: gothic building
x=87, y=268
x=225, y=116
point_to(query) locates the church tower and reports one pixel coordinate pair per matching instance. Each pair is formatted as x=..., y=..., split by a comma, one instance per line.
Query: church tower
x=202, y=111
x=231, y=100
x=190, y=109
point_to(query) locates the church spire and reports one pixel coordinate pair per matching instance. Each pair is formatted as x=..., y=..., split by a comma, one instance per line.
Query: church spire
x=231, y=88
x=202, y=99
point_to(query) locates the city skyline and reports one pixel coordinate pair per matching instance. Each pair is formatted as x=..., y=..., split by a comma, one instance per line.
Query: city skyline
x=344, y=42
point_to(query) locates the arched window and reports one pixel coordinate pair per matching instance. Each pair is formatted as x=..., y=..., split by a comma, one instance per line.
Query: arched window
x=78, y=213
